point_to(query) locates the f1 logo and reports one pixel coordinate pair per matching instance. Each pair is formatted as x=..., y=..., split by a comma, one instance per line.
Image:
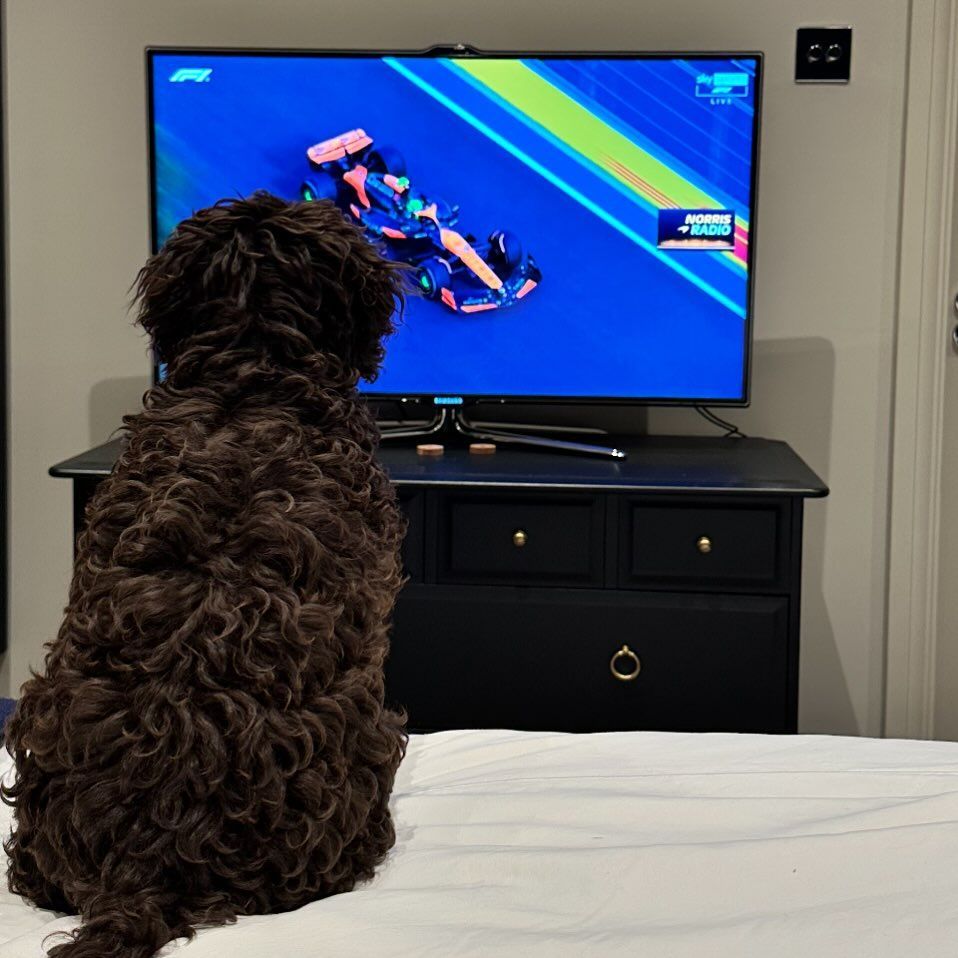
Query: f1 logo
x=194, y=74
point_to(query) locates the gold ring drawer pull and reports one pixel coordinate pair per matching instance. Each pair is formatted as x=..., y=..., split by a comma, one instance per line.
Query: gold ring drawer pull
x=632, y=661
x=519, y=538
x=704, y=545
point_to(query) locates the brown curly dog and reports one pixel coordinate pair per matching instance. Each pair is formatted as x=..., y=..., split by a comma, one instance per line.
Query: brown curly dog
x=208, y=737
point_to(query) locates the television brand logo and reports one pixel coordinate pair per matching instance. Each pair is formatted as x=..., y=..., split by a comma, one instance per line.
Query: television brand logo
x=721, y=85
x=191, y=74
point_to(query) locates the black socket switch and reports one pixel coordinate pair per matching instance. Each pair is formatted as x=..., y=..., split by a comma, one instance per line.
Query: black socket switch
x=823, y=55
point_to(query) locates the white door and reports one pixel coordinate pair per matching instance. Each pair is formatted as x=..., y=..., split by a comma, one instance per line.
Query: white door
x=946, y=647
x=945, y=686
x=921, y=678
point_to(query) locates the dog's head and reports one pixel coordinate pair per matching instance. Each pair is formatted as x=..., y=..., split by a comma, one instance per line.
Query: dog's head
x=268, y=280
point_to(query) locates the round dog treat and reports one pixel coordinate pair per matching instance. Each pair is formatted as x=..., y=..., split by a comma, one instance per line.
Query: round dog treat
x=430, y=449
x=482, y=448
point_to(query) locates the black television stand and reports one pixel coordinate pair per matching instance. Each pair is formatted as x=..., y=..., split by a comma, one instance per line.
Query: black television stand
x=528, y=571
x=449, y=420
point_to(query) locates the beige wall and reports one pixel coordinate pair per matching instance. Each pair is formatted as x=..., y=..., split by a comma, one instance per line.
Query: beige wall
x=825, y=296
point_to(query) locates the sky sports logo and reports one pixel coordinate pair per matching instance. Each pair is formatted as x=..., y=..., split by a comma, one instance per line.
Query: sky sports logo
x=696, y=229
x=721, y=85
x=191, y=75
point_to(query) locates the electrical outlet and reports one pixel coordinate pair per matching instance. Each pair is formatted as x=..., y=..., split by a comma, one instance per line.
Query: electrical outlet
x=823, y=55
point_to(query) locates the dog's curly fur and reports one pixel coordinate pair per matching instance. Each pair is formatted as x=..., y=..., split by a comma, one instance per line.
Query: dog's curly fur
x=208, y=737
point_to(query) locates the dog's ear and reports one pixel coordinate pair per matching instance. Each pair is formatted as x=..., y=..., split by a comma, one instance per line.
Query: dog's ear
x=269, y=280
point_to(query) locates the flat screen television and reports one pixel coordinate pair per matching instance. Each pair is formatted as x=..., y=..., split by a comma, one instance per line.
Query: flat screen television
x=580, y=227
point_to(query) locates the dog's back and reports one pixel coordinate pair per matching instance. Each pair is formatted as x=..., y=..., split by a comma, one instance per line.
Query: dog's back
x=208, y=736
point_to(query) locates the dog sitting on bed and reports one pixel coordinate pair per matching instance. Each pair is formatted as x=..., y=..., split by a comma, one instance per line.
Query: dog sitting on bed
x=208, y=737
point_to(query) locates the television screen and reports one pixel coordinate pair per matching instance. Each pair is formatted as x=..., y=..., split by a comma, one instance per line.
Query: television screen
x=577, y=227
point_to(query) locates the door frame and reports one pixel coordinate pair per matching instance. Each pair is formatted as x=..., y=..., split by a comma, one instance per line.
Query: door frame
x=4, y=376
x=925, y=316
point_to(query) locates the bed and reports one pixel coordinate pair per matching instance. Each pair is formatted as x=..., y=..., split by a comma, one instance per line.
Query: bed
x=639, y=843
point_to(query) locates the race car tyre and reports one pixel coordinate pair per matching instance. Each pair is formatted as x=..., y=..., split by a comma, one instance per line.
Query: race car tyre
x=386, y=159
x=434, y=274
x=320, y=186
x=505, y=249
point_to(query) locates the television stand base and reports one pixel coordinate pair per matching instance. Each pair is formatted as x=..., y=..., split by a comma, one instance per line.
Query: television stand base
x=450, y=420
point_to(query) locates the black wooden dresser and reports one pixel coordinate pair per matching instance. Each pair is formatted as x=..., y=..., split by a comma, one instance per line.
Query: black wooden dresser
x=548, y=591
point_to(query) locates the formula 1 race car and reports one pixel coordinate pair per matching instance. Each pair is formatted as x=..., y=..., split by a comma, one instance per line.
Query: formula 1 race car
x=370, y=184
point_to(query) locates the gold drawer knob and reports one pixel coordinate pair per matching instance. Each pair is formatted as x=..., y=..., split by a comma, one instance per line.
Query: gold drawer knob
x=519, y=538
x=704, y=545
x=627, y=659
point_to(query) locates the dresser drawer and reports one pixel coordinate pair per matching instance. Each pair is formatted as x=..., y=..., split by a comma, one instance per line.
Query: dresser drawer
x=413, y=546
x=537, y=659
x=517, y=538
x=677, y=545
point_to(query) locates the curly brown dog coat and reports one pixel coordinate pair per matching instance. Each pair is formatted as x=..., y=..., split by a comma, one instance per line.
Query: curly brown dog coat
x=208, y=737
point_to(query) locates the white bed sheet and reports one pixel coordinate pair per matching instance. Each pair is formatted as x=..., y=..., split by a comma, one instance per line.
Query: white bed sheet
x=647, y=844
